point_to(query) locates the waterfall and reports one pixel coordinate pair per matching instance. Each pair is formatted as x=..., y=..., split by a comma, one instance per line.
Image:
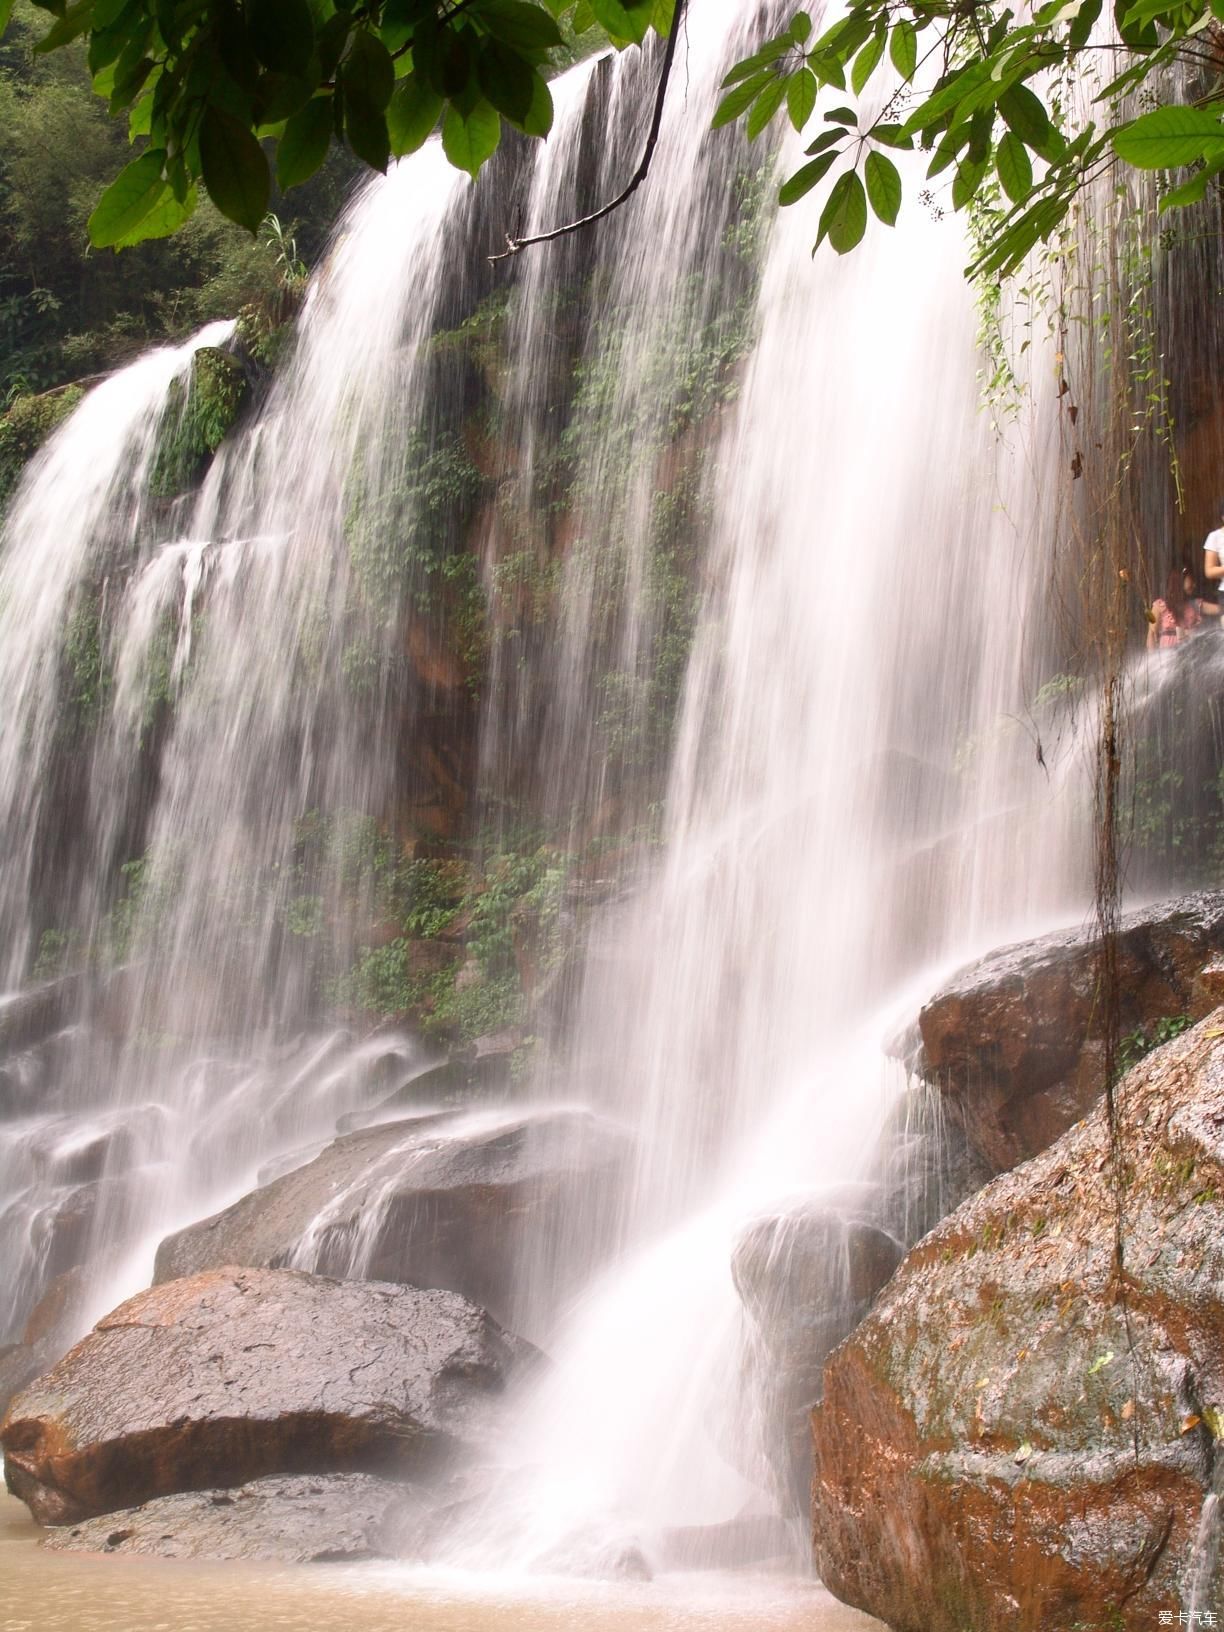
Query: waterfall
x=762, y=628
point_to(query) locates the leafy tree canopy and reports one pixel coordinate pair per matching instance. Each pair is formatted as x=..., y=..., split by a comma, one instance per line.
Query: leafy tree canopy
x=211, y=88
x=1040, y=103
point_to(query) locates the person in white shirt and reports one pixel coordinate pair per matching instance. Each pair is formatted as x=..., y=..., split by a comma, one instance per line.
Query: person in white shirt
x=1213, y=552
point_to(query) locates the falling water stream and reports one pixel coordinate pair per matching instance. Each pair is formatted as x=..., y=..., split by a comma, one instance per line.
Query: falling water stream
x=851, y=801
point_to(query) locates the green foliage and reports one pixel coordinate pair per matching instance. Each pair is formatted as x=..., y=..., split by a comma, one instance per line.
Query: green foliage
x=25, y=427
x=401, y=524
x=199, y=413
x=211, y=92
x=57, y=951
x=1135, y=1044
x=65, y=311
x=992, y=109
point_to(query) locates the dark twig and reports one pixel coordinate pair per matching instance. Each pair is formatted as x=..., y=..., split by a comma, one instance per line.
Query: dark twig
x=514, y=245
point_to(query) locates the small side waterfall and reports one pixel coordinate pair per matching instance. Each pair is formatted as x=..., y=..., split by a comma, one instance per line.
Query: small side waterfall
x=746, y=601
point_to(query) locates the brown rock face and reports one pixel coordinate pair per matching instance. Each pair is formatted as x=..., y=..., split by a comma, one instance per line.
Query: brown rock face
x=450, y=1201
x=1007, y=1443
x=1013, y=1041
x=295, y=1519
x=239, y=1373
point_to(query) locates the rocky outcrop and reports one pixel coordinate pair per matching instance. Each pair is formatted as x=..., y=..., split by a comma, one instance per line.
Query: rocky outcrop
x=235, y=1374
x=295, y=1519
x=448, y=1200
x=807, y=1277
x=1014, y=1041
x=1015, y=1438
x=53, y=1322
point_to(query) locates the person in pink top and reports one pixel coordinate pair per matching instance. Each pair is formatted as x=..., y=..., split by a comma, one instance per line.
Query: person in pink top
x=1177, y=615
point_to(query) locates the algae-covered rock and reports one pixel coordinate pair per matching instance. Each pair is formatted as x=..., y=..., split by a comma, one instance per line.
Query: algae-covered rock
x=1015, y=1437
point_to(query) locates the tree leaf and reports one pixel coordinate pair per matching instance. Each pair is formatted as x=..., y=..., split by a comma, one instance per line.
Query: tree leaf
x=6, y=14
x=365, y=126
x=506, y=80
x=469, y=141
x=525, y=27
x=128, y=199
x=800, y=27
x=234, y=169
x=623, y=22
x=883, y=187
x=304, y=145
x=1190, y=192
x=1014, y=167
x=844, y=218
x=281, y=33
x=805, y=178
x=1170, y=136
x=166, y=216
x=866, y=62
x=540, y=114
x=412, y=113
x=764, y=108
x=1024, y=112
x=801, y=91
x=748, y=66
x=740, y=98
x=368, y=72
x=967, y=180
x=75, y=21
x=903, y=48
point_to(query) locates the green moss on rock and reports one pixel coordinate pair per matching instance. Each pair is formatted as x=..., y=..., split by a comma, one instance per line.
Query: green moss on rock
x=199, y=415
x=26, y=426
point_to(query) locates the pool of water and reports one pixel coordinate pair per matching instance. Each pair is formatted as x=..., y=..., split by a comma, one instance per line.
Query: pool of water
x=64, y=1592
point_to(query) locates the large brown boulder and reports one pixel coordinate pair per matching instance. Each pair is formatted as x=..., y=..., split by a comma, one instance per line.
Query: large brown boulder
x=1014, y=1438
x=237, y=1373
x=1014, y=1041
x=458, y=1201
x=292, y=1519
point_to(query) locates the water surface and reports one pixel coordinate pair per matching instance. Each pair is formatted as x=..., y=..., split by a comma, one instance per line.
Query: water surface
x=59, y=1592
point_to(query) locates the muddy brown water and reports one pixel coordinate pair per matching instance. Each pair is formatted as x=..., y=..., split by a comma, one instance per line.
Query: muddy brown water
x=65, y=1592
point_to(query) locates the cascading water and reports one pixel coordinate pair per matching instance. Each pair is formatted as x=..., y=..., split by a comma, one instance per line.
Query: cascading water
x=690, y=441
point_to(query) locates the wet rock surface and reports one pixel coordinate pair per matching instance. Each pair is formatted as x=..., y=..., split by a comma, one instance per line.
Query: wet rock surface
x=236, y=1374
x=807, y=1277
x=1014, y=1041
x=1010, y=1441
x=297, y=1519
x=53, y=1323
x=446, y=1200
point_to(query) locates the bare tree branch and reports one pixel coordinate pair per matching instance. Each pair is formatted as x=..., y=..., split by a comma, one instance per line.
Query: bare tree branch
x=514, y=245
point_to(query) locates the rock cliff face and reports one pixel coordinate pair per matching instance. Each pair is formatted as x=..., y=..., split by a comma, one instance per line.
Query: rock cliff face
x=1016, y=1437
x=1013, y=1041
x=229, y=1376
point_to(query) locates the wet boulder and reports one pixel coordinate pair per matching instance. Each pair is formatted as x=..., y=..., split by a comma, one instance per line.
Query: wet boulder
x=290, y=1519
x=464, y=1202
x=235, y=1374
x=806, y=1277
x=1016, y=1436
x=1014, y=1040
